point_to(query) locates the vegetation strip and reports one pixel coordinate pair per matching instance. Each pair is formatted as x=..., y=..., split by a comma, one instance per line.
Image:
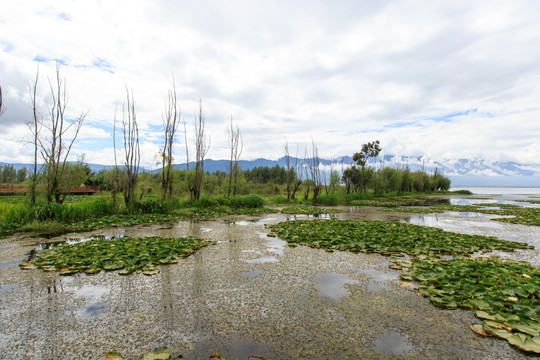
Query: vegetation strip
x=505, y=294
x=309, y=210
x=127, y=255
x=386, y=238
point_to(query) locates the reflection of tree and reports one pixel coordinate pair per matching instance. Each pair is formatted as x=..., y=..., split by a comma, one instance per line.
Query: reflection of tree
x=126, y=294
x=52, y=317
x=167, y=305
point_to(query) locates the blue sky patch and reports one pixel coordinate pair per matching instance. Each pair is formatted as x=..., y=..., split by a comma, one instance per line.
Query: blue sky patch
x=451, y=116
x=44, y=59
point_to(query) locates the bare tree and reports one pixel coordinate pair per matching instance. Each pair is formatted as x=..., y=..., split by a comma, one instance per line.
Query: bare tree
x=34, y=127
x=60, y=135
x=288, y=169
x=314, y=170
x=1, y=103
x=171, y=122
x=132, y=148
x=202, y=145
x=237, y=145
x=305, y=174
x=294, y=174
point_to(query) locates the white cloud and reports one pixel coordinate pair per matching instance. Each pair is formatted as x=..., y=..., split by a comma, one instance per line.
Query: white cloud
x=341, y=73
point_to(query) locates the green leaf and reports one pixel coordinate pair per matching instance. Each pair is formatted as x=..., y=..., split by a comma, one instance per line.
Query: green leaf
x=162, y=353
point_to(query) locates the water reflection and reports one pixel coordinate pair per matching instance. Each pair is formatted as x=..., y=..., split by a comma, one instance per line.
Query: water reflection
x=392, y=343
x=332, y=286
x=451, y=224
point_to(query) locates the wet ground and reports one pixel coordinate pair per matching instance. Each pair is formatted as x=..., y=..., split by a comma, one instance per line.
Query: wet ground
x=246, y=295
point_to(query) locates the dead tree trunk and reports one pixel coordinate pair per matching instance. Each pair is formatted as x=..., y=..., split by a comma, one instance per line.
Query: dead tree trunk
x=172, y=117
x=237, y=145
x=54, y=145
x=34, y=127
x=315, y=171
x=201, y=149
x=132, y=149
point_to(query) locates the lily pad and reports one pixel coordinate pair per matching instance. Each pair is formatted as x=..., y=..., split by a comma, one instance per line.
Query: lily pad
x=162, y=353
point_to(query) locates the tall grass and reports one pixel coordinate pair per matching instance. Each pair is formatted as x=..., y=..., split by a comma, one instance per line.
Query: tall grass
x=22, y=214
x=235, y=202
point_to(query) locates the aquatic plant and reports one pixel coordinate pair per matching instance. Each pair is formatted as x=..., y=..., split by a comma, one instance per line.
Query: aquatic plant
x=505, y=294
x=386, y=238
x=127, y=255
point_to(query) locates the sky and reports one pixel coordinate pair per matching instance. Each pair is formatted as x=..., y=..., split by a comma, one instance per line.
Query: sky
x=443, y=79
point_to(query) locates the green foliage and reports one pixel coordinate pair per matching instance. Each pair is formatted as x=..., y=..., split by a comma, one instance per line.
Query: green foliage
x=151, y=206
x=327, y=199
x=265, y=175
x=504, y=293
x=309, y=210
x=386, y=238
x=127, y=255
x=22, y=214
x=234, y=202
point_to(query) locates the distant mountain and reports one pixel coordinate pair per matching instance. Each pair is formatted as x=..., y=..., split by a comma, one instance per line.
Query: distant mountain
x=462, y=172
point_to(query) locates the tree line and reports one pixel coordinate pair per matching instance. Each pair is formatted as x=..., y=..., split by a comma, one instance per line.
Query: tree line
x=53, y=137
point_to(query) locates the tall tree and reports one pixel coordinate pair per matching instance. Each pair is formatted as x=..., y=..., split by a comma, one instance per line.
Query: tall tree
x=170, y=125
x=202, y=145
x=237, y=145
x=1, y=102
x=314, y=163
x=132, y=150
x=56, y=142
x=370, y=149
x=34, y=127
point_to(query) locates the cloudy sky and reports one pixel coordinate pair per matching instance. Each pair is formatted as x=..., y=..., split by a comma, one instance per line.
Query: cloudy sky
x=444, y=79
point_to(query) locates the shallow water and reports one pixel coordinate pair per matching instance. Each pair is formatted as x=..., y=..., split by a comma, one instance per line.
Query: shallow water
x=303, y=304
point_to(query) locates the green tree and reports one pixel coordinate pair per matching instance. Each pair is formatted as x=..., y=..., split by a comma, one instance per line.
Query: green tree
x=21, y=175
x=9, y=174
x=370, y=149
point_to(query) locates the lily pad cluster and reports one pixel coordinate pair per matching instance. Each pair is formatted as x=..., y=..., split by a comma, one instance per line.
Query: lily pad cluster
x=127, y=255
x=386, y=238
x=505, y=294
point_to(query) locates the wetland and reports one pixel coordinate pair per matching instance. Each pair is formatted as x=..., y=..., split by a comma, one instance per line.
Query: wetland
x=249, y=294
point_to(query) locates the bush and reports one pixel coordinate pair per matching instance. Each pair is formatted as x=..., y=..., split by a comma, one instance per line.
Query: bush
x=151, y=206
x=246, y=201
x=327, y=199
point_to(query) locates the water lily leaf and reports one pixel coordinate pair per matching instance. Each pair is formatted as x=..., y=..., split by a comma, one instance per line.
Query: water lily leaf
x=162, y=353
x=477, y=328
x=480, y=304
x=524, y=343
x=150, y=271
x=114, y=356
x=27, y=266
x=497, y=331
x=525, y=328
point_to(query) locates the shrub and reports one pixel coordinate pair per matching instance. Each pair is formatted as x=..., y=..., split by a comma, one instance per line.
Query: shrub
x=327, y=199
